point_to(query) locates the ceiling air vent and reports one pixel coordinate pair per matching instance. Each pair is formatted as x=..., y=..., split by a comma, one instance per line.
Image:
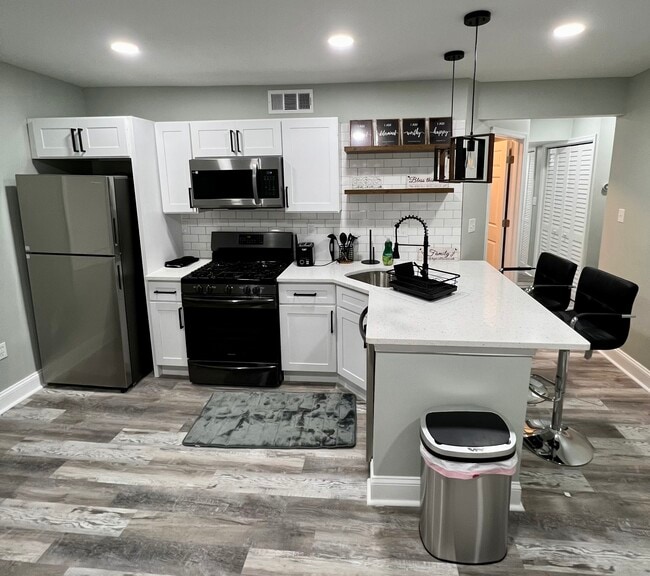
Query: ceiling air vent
x=291, y=101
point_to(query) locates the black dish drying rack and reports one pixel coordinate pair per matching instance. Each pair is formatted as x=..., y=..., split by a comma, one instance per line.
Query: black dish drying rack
x=407, y=278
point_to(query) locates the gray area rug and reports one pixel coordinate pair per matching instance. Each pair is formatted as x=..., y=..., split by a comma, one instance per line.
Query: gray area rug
x=262, y=419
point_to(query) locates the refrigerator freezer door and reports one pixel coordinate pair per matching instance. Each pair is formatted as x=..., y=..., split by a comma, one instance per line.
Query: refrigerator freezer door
x=67, y=214
x=79, y=311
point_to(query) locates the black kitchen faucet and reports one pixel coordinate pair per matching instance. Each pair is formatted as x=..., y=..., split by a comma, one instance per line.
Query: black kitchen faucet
x=425, y=266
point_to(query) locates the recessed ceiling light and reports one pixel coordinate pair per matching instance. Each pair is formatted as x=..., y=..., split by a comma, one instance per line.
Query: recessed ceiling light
x=125, y=48
x=340, y=41
x=568, y=30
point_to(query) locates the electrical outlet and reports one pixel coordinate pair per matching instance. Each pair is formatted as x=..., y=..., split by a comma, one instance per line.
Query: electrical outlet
x=3, y=350
x=621, y=215
x=471, y=225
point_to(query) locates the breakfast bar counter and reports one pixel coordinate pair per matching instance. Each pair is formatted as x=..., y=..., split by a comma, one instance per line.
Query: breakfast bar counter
x=472, y=349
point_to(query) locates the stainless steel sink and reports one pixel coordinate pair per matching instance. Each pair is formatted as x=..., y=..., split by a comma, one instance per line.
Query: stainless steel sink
x=373, y=277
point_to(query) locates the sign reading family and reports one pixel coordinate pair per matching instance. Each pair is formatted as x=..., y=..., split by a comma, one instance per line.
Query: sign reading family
x=388, y=132
x=413, y=131
x=439, y=130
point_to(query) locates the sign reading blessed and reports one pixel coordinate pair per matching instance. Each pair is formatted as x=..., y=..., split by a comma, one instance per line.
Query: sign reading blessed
x=439, y=130
x=361, y=133
x=413, y=131
x=388, y=132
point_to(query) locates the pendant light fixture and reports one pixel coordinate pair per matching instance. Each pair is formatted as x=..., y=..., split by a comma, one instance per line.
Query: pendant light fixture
x=471, y=156
x=442, y=154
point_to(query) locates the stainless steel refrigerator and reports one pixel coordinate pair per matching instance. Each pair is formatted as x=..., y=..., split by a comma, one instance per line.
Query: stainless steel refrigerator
x=85, y=272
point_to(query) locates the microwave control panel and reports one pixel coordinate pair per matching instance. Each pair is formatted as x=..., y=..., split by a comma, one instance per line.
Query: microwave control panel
x=267, y=184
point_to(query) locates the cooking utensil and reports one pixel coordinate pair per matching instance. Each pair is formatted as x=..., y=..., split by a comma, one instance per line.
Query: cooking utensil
x=343, y=238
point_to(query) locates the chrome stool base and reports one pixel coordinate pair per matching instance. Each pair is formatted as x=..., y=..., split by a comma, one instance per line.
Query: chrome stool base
x=566, y=446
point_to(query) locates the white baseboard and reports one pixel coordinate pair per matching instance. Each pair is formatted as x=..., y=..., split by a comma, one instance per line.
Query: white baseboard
x=20, y=391
x=405, y=491
x=310, y=377
x=178, y=372
x=635, y=370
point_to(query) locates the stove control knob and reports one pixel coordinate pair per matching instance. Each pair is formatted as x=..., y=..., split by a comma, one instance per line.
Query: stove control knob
x=247, y=290
x=228, y=289
x=198, y=288
x=209, y=289
x=256, y=290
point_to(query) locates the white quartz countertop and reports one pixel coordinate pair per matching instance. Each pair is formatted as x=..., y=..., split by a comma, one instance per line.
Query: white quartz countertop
x=175, y=274
x=487, y=311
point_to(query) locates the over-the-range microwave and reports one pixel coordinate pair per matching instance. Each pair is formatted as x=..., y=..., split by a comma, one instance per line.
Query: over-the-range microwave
x=237, y=182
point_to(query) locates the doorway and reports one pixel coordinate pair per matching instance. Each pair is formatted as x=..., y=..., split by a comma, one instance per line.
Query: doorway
x=502, y=227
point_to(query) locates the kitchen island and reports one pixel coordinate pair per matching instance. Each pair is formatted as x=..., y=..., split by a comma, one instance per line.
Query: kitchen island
x=471, y=349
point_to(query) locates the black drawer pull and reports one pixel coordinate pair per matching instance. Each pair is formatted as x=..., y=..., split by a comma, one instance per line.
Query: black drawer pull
x=164, y=291
x=310, y=295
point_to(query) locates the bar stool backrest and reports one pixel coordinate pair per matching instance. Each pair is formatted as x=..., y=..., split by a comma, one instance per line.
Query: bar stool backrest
x=553, y=279
x=600, y=292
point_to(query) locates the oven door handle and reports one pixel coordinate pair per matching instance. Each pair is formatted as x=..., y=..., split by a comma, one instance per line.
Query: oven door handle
x=236, y=368
x=207, y=302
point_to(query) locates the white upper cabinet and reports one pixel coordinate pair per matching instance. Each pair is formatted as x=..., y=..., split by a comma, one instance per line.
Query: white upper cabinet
x=221, y=138
x=174, y=150
x=311, y=164
x=101, y=137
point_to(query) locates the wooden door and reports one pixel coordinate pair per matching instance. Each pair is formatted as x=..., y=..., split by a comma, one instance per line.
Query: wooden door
x=497, y=204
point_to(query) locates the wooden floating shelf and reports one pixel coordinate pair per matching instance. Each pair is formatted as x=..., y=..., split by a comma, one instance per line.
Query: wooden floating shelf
x=399, y=191
x=394, y=149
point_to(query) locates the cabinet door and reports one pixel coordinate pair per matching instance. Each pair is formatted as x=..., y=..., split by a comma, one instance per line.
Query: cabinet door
x=311, y=164
x=258, y=137
x=308, y=338
x=174, y=151
x=168, y=334
x=102, y=137
x=213, y=139
x=351, y=355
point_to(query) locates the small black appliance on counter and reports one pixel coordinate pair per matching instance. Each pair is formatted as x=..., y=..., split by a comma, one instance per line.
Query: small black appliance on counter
x=305, y=254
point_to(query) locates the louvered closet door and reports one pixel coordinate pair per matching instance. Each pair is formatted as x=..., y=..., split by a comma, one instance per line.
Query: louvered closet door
x=565, y=205
x=527, y=210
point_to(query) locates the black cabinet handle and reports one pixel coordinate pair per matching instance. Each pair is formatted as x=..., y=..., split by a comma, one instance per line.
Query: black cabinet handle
x=232, y=142
x=189, y=191
x=164, y=291
x=180, y=318
x=81, y=142
x=239, y=141
x=74, y=140
x=286, y=196
x=305, y=295
x=332, y=322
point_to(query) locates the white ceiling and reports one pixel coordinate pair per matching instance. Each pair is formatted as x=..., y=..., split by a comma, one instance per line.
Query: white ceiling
x=283, y=42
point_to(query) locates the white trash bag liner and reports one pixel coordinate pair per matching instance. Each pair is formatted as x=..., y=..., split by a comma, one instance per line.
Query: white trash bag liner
x=468, y=470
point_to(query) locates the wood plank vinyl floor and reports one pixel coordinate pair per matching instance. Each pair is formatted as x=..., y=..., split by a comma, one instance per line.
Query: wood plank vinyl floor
x=95, y=483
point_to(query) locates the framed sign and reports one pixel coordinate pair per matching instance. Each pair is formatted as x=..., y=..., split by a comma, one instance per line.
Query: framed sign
x=361, y=133
x=388, y=132
x=413, y=131
x=439, y=130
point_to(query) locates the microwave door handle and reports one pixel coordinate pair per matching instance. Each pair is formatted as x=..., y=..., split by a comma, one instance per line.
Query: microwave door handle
x=254, y=167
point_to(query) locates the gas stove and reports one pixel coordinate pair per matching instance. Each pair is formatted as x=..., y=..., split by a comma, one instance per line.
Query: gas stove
x=231, y=310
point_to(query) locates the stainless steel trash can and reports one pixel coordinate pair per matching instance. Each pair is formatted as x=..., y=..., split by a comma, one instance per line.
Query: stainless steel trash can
x=468, y=459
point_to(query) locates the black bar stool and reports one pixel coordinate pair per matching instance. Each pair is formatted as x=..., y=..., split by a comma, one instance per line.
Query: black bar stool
x=601, y=314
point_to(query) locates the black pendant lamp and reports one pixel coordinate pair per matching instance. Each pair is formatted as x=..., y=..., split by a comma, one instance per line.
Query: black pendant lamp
x=443, y=154
x=471, y=156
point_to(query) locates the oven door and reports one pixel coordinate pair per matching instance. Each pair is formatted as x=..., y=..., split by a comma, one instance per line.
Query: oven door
x=233, y=341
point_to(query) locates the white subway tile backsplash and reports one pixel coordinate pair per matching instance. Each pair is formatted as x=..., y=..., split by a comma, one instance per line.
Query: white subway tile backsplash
x=359, y=213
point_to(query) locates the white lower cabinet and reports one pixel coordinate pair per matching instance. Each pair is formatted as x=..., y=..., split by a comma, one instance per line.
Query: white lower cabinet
x=308, y=336
x=167, y=325
x=350, y=352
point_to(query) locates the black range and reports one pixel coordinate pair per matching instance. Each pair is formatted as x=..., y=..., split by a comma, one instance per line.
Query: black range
x=232, y=322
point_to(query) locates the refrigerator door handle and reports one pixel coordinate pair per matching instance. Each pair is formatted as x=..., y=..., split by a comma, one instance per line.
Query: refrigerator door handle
x=115, y=238
x=120, y=282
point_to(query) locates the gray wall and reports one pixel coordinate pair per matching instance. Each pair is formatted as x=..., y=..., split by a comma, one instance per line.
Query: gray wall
x=22, y=95
x=625, y=249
